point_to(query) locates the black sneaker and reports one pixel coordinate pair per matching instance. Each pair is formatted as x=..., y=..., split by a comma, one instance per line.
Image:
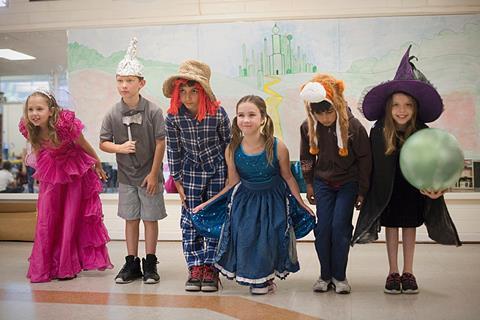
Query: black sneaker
x=130, y=270
x=409, y=283
x=210, y=279
x=195, y=276
x=149, y=266
x=392, y=285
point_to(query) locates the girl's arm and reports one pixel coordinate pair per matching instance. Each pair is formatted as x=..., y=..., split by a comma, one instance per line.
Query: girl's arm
x=232, y=180
x=151, y=180
x=82, y=142
x=286, y=173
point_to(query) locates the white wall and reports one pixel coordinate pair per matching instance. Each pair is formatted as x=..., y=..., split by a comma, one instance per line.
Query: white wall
x=463, y=207
x=22, y=15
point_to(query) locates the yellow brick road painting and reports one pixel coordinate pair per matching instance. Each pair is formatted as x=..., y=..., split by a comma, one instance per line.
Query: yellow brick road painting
x=273, y=104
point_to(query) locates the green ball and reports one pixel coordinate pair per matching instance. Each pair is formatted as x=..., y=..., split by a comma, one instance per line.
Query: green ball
x=431, y=159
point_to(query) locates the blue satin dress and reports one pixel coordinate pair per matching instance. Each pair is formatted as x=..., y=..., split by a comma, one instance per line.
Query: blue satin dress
x=258, y=221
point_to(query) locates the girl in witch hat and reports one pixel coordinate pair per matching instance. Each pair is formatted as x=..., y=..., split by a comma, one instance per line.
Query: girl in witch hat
x=401, y=107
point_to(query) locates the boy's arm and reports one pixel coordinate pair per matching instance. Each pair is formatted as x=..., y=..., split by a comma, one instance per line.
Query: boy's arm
x=151, y=180
x=110, y=147
x=174, y=150
x=232, y=179
x=224, y=130
x=306, y=158
x=307, y=161
x=362, y=149
x=106, y=139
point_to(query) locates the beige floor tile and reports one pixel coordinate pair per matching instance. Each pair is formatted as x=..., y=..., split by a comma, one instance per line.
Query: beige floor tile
x=448, y=278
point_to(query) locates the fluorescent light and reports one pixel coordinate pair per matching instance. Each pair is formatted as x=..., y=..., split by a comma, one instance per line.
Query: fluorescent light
x=10, y=54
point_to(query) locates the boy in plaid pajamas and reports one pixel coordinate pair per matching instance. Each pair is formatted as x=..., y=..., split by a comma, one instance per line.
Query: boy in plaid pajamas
x=198, y=131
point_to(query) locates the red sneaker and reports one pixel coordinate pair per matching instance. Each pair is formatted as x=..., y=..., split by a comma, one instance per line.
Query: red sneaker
x=210, y=279
x=194, y=282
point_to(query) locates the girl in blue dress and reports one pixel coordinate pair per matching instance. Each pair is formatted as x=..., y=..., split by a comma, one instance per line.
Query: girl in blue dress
x=260, y=209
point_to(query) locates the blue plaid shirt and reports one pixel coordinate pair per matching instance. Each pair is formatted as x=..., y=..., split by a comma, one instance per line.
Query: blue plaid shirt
x=199, y=143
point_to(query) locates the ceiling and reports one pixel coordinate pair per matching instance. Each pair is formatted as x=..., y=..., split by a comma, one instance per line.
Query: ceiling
x=49, y=47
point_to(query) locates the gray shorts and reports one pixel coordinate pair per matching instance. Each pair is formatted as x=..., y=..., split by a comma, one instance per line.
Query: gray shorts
x=134, y=203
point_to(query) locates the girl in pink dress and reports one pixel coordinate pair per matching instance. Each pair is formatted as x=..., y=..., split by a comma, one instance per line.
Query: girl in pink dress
x=70, y=235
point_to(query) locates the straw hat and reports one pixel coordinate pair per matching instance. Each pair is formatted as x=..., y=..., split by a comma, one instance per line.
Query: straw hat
x=191, y=70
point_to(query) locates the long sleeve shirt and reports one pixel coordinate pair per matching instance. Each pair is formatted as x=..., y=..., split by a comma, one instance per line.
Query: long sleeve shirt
x=199, y=143
x=328, y=165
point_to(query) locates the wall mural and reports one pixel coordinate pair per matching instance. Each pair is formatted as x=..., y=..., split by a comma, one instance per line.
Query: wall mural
x=273, y=58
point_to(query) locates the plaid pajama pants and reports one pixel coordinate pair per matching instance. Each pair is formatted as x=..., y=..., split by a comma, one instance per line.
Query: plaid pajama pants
x=199, y=187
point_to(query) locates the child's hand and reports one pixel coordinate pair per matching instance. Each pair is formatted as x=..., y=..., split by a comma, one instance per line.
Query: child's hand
x=100, y=173
x=199, y=207
x=310, y=194
x=433, y=194
x=359, y=202
x=306, y=207
x=181, y=193
x=151, y=182
x=127, y=147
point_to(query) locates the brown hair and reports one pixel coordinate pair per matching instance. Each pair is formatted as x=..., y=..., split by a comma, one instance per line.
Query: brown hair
x=390, y=130
x=34, y=131
x=267, y=130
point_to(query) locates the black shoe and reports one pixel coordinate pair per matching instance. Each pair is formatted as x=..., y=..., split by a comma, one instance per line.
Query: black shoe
x=392, y=285
x=130, y=271
x=409, y=283
x=149, y=266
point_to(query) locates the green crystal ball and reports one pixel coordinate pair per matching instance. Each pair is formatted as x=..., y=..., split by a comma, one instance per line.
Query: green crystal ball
x=431, y=159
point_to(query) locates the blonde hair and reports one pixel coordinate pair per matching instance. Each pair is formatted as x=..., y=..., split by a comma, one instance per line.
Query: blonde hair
x=34, y=131
x=267, y=130
x=390, y=129
x=334, y=89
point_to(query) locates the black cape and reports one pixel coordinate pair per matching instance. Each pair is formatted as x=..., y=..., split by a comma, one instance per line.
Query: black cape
x=439, y=224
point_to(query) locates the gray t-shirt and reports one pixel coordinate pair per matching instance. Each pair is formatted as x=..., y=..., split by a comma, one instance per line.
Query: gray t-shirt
x=152, y=128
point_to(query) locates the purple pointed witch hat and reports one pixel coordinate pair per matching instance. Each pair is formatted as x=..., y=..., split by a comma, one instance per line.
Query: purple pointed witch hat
x=408, y=80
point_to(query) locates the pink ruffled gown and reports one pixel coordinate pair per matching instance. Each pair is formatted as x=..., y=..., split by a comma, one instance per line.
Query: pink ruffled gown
x=70, y=235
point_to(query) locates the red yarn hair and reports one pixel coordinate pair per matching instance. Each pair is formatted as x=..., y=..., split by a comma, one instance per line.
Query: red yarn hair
x=205, y=105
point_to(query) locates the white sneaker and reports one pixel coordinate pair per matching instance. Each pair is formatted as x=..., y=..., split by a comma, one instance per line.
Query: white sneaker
x=341, y=287
x=321, y=285
x=255, y=290
x=269, y=286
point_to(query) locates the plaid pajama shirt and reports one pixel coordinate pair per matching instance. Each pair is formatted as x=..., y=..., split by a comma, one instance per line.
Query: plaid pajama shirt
x=196, y=156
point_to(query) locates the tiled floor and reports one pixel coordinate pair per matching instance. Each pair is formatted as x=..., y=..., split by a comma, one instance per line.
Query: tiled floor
x=448, y=277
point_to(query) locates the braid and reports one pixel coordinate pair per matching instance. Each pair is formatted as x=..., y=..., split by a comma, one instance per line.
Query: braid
x=269, y=138
x=236, y=137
